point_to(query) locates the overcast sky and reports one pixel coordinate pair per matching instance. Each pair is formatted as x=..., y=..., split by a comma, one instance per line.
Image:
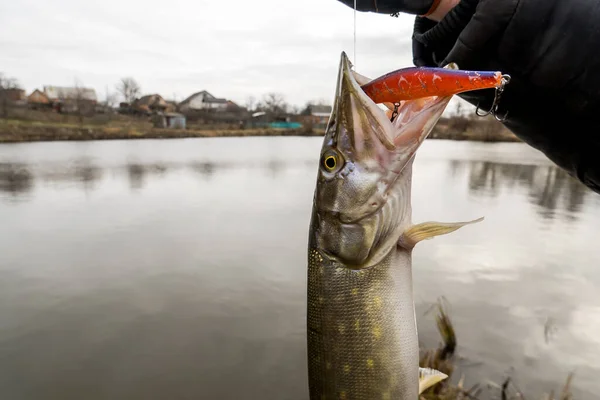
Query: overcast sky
x=233, y=49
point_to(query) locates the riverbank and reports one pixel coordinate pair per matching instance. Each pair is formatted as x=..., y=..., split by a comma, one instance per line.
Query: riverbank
x=15, y=131
x=12, y=131
x=444, y=359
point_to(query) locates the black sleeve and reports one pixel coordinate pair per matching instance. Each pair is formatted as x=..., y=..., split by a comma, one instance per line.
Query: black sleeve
x=417, y=7
x=551, y=49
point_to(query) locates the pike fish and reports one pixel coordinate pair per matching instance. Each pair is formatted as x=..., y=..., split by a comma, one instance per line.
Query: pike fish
x=361, y=322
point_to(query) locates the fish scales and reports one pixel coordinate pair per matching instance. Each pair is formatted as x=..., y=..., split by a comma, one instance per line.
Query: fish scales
x=358, y=337
x=361, y=323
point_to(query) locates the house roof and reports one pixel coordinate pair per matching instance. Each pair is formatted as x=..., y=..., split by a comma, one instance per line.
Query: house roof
x=207, y=98
x=215, y=101
x=37, y=96
x=150, y=99
x=61, y=92
x=320, y=110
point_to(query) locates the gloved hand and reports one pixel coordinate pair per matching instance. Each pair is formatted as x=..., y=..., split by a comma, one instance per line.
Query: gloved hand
x=422, y=55
x=553, y=99
x=416, y=7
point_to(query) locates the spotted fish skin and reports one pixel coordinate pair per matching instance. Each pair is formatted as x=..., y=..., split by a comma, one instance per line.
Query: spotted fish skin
x=362, y=337
x=361, y=325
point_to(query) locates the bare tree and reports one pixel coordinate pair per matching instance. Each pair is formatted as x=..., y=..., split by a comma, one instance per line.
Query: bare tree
x=5, y=85
x=250, y=103
x=274, y=102
x=79, y=99
x=459, y=109
x=129, y=89
x=8, y=83
x=111, y=99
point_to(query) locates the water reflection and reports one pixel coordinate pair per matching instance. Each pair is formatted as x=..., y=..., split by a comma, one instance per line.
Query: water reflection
x=549, y=188
x=20, y=178
x=206, y=169
x=188, y=250
x=138, y=173
x=81, y=173
x=15, y=179
x=275, y=167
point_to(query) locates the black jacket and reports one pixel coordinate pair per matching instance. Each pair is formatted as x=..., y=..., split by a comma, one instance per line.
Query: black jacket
x=551, y=49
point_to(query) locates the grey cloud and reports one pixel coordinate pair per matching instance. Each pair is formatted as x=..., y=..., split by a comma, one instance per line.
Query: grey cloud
x=234, y=49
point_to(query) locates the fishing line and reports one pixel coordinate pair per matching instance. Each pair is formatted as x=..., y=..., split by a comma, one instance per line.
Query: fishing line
x=354, y=61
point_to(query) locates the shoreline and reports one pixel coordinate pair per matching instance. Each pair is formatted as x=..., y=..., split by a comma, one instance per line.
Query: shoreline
x=15, y=131
x=445, y=358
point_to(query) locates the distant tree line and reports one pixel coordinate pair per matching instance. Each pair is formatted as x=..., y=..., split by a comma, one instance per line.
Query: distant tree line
x=6, y=84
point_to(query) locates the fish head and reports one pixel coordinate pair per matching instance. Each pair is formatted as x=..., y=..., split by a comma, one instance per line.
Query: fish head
x=362, y=197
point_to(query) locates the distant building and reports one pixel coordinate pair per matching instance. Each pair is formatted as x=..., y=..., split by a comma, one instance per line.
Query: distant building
x=317, y=115
x=124, y=108
x=13, y=96
x=234, y=108
x=149, y=104
x=169, y=120
x=38, y=100
x=267, y=119
x=171, y=106
x=62, y=93
x=38, y=97
x=203, y=101
x=71, y=99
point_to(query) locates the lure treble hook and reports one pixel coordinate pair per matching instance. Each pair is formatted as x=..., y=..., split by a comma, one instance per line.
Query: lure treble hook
x=394, y=112
x=496, y=103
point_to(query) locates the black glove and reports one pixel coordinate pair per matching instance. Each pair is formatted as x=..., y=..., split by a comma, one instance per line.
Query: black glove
x=423, y=56
x=553, y=99
x=416, y=7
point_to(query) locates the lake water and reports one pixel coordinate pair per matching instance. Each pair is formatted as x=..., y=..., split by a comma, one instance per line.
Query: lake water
x=176, y=269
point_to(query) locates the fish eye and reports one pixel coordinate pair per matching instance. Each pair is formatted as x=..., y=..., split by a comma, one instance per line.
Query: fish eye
x=331, y=161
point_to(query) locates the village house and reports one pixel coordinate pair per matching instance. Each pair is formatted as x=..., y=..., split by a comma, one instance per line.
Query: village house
x=172, y=106
x=13, y=96
x=169, y=120
x=234, y=108
x=150, y=104
x=38, y=100
x=71, y=99
x=203, y=101
x=317, y=116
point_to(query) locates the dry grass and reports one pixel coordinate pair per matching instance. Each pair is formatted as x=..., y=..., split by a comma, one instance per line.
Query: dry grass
x=28, y=131
x=443, y=359
x=25, y=125
x=481, y=129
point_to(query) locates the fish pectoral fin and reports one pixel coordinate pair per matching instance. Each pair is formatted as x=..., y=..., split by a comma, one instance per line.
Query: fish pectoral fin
x=429, y=377
x=429, y=230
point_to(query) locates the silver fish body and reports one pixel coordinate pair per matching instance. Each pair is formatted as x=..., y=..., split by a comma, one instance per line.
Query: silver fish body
x=362, y=337
x=361, y=323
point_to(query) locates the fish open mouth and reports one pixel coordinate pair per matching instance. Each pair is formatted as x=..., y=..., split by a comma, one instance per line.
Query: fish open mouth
x=390, y=137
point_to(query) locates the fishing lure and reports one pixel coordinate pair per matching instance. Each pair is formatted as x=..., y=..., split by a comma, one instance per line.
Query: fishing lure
x=419, y=82
x=416, y=82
